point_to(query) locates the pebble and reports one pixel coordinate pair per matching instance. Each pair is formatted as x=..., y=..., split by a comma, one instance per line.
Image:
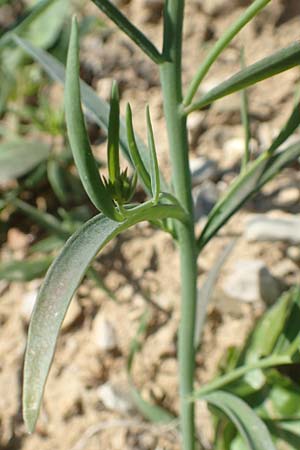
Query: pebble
x=293, y=252
x=104, y=334
x=202, y=169
x=205, y=198
x=195, y=125
x=103, y=88
x=250, y=281
x=115, y=397
x=264, y=228
x=287, y=197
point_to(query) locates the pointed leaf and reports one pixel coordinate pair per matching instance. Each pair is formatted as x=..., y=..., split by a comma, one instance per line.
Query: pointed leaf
x=135, y=152
x=291, y=125
x=113, y=136
x=248, y=183
x=128, y=28
x=96, y=108
x=82, y=152
x=250, y=426
x=278, y=62
x=18, y=157
x=63, y=278
x=154, y=173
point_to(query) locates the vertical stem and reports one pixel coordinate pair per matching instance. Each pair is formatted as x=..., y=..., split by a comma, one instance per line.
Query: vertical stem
x=177, y=135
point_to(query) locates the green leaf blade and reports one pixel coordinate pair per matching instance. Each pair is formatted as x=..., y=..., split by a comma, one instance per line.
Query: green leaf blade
x=78, y=137
x=135, y=152
x=154, y=173
x=18, y=157
x=96, y=108
x=62, y=279
x=250, y=426
x=278, y=62
x=128, y=28
x=113, y=136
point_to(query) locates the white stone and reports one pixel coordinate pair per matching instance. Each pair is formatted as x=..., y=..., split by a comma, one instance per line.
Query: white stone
x=264, y=228
x=202, y=169
x=115, y=398
x=104, y=333
x=250, y=281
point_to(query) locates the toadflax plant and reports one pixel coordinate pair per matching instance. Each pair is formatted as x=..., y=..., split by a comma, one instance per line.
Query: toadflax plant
x=169, y=207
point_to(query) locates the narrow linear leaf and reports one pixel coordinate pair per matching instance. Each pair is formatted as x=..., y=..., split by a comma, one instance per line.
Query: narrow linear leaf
x=135, y=152
x=248, y=183
x=249, y=425
x=26, y=19
x=154, y=173
x=96, y=108
x=18, y=157
x=153, y=413
x=128, y=28
x=62, y=279
x=278, y=62
x=24, y=270
x=255, y=7
x=245, y=119
x=82, y=152
x=113, y=135
x=291, y=125
x=66, y=186
x=44, y=219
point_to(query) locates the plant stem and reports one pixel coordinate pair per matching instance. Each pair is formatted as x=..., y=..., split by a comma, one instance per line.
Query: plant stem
x=177, y=135
x=237, y=373
x=222, y=43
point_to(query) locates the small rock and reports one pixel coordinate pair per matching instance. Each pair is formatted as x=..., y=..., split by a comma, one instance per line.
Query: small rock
x=287, y=197
x=205, y=198
x=251, y=281
x=293, y=252
x=154, y=9
x=103, y=88
x=234, y=149
x=104, y=334
x=264, y=228
x=16, y=240
x=115, y=397
x=202, y=169
x=28, y=303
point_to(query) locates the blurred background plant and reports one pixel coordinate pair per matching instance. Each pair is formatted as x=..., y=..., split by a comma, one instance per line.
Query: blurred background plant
x=40, y=193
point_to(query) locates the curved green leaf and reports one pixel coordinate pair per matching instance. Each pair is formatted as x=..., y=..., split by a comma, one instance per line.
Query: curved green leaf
x=18, y=157
x=250, y=426
x=274, y=64
x=81, y=149
x=62, y=279
x=96, y=108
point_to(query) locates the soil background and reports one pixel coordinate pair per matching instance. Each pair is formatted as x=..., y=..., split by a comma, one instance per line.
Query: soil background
x=87, y=401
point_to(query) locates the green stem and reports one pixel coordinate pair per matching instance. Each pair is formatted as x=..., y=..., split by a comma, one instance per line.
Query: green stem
x=177, y=135
x=234, y=375
x=219, y=46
